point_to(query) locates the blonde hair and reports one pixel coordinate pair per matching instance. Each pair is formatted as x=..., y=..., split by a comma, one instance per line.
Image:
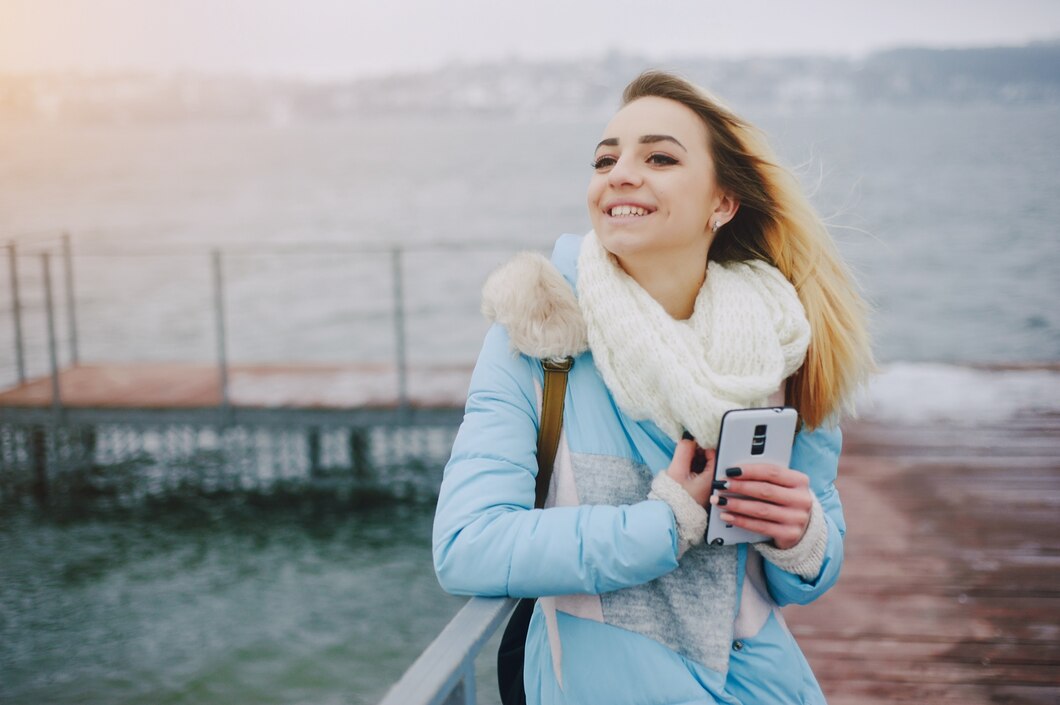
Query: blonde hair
x=776, y=223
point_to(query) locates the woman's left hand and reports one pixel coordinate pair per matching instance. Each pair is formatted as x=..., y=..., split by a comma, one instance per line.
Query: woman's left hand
x=778, y=502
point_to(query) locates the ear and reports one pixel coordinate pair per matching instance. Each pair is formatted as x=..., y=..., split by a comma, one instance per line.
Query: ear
x=726, y=208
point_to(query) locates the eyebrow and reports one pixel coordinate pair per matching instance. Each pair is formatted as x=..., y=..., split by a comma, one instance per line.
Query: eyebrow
x=645, y=139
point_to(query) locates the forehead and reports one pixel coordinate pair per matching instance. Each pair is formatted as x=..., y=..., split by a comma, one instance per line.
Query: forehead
x=657, y=116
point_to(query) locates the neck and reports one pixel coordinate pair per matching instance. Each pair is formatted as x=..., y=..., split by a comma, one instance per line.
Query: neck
x=674, y=282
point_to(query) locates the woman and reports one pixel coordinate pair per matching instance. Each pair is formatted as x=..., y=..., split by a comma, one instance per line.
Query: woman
x=707, y=284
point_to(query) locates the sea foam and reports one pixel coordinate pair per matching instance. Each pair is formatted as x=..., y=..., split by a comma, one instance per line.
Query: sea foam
x=913, y=392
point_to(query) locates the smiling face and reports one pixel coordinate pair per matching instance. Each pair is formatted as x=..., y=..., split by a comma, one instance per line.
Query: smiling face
x=654, y=190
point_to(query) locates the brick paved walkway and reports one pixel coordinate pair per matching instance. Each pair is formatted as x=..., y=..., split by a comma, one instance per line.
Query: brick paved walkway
x=950, y=592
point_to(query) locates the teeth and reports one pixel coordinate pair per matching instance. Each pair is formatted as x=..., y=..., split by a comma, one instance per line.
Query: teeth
x=628, y=210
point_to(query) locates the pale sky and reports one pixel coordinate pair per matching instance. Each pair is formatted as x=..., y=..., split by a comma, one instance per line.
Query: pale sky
x=337, y=38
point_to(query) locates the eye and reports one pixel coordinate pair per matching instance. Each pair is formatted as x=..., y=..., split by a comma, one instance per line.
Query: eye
x=604, y=162
x=659, y=159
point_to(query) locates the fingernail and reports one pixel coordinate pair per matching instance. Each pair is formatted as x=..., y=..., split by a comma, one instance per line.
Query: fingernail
x=734, y=472
x=722, y=501
x=719, y=485
x=686, y=436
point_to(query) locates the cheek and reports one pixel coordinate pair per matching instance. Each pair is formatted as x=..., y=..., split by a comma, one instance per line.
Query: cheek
x=592, y=200
x=595, y=189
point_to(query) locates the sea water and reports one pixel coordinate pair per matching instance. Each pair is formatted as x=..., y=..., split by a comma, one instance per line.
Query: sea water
x=947, y=215
x=203, y=604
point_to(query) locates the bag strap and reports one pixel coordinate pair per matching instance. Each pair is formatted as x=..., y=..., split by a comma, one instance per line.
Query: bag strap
x=551, y=424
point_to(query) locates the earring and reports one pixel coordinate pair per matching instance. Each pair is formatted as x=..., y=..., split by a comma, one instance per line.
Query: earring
x=717, y=224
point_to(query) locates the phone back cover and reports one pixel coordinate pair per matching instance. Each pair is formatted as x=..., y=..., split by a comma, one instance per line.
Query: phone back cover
x=735, y=449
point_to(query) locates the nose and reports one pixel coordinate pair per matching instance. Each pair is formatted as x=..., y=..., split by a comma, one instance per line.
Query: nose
x=624, y=173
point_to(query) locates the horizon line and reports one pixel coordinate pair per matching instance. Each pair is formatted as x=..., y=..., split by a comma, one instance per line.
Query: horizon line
x=449, y=64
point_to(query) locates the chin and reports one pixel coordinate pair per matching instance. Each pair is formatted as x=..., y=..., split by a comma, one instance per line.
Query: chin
x=624, y=243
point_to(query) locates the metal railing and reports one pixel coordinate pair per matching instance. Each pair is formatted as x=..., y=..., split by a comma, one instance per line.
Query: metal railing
x=444, y=674
x=16, y=305
x=218, y=285
x=60, y=247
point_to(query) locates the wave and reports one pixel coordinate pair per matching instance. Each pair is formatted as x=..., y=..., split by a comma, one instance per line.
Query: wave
x=917, y=392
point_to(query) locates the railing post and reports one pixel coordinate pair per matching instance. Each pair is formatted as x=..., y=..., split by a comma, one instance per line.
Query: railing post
x=360, y=455
x=43, y=442
x=399, y=328
x=219, y=315
x=461, y=695
x=313, y=448
x=53, y=353
x=470, y=696
x=71, y=312
x=38, y=450
x=16, y=310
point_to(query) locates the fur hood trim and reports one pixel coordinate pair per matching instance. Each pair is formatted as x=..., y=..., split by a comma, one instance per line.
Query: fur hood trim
x=536, y=305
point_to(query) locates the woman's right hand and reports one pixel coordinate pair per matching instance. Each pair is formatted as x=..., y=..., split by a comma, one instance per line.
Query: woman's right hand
x=698, y=485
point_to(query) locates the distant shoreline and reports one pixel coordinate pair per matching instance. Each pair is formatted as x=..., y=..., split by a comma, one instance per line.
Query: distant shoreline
x=907, y=76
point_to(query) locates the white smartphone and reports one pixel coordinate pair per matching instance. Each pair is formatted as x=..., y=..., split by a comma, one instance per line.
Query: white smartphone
x=749, y=436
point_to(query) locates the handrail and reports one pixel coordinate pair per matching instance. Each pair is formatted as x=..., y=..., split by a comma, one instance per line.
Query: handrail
x=444, y=674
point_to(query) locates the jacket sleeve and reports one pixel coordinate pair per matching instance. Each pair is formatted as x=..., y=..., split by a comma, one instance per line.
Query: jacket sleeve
x=816, y=453
x=489, y=540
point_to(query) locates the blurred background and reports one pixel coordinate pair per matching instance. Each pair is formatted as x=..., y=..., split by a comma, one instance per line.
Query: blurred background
x=312, y=143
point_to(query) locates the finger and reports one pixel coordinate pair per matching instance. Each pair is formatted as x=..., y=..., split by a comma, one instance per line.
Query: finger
x=764, y=511
x=702, y=482
x=782, y=534
x=768, y=492
x=680, y=465
x=766, y=472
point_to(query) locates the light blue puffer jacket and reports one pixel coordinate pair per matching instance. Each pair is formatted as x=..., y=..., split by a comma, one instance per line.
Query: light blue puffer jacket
x=611, y=558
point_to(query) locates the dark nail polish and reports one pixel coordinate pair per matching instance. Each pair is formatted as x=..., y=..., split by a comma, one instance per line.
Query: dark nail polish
x=722, y=501
x=686, y=436
x=719, y=485
x=734, y=472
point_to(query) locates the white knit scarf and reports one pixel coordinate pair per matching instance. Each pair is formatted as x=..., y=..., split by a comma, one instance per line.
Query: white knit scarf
x=747, y=334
